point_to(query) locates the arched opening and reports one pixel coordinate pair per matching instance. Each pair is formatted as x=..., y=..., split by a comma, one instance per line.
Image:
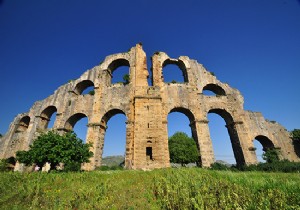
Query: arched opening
x=23, y=124
x=78, y=123
x=174, y=72
x=85, y=87
x=182, y=120
x=220, y=140
x=80, y=128
x=213, y=90
x=258, y=149
x=18, y=137
x=113, y=153
x=261, y=144
x=48, y=117
x=119, y=70
x=226, y=144
x=11, y=162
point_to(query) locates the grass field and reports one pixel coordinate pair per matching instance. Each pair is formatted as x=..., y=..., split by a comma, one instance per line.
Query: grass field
x=184, y=188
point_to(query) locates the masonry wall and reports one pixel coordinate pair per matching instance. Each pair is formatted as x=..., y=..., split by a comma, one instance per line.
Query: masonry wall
x=146, y=109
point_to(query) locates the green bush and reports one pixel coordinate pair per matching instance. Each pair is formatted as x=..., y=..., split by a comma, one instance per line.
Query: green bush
x=7, y=164
x=109, y=168
x=92, y=92
x=103, y=168
x=3, y=165
x=72, y=166
x=54, y=148
x=219, y=166
x=116, y=168
x=279, y=166
x=271, y=155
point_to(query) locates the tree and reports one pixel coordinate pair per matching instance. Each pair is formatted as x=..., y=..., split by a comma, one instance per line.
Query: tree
x=54, y=148
x=126, y=79
x=0, y=135
x=183, y=149
x=271, y=155
x=295, y=134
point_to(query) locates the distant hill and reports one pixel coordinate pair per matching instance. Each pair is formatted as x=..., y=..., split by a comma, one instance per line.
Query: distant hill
x=113, y=160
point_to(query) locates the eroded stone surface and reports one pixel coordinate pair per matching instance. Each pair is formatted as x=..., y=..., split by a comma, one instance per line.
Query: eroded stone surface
x=146, y=109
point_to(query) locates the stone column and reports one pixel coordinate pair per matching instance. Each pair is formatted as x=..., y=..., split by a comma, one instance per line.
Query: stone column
x=95, y=136
x=141, y=72
x=165, y=139
x=239, y=138
x=129, y=155
x=19, y=167
x=200, y=131
x=248, y=156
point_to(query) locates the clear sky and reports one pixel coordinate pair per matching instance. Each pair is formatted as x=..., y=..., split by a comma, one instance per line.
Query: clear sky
x=254, y=45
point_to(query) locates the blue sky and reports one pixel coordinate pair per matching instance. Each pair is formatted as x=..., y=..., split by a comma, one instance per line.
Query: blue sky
x=252, y=45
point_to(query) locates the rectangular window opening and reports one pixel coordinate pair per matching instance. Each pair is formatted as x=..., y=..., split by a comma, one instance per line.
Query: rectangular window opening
x=149, y=153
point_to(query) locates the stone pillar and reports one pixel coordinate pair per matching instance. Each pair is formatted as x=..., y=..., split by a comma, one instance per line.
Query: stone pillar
x=246, y=155
x=239, y=140
x=165, y=139
x=200, y=131
x=129, y=155
x=19, y=167
x=95, y=136
x=141, y=72
x=156, y=71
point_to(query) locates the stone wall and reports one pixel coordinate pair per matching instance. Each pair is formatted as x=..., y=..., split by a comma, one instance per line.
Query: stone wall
x=146, y=109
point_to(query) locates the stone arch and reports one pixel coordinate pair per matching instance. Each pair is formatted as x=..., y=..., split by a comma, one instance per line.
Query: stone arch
x=115, y=64
x=83, y=85
x=110, y=114
x=46, y=115
x=233, y=134
x=23, y=124
x=261, y=144
x=103, y=128
x=265, y=142
x=224, y=114
x=216, y=89
x=11, y=161
x=184, y=111
x=70, y=123
x=180, y=64
x=189, y=114
x=19, y=136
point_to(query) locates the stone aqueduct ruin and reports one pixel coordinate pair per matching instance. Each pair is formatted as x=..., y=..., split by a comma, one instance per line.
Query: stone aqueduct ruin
x=146, y=109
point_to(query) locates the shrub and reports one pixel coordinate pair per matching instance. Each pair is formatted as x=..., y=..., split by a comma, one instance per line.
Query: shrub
x=126, y=79
x=102, y=168
x=55, y=149
x=271, y=155
x=72, y=166
x=7, y=164
x=279, y=166
x=92, y=92
x=109, y=168
x=3, y=165
x=219, y=166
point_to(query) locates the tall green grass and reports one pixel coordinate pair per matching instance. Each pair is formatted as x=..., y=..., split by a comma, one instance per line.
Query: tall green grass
x=159, y=189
